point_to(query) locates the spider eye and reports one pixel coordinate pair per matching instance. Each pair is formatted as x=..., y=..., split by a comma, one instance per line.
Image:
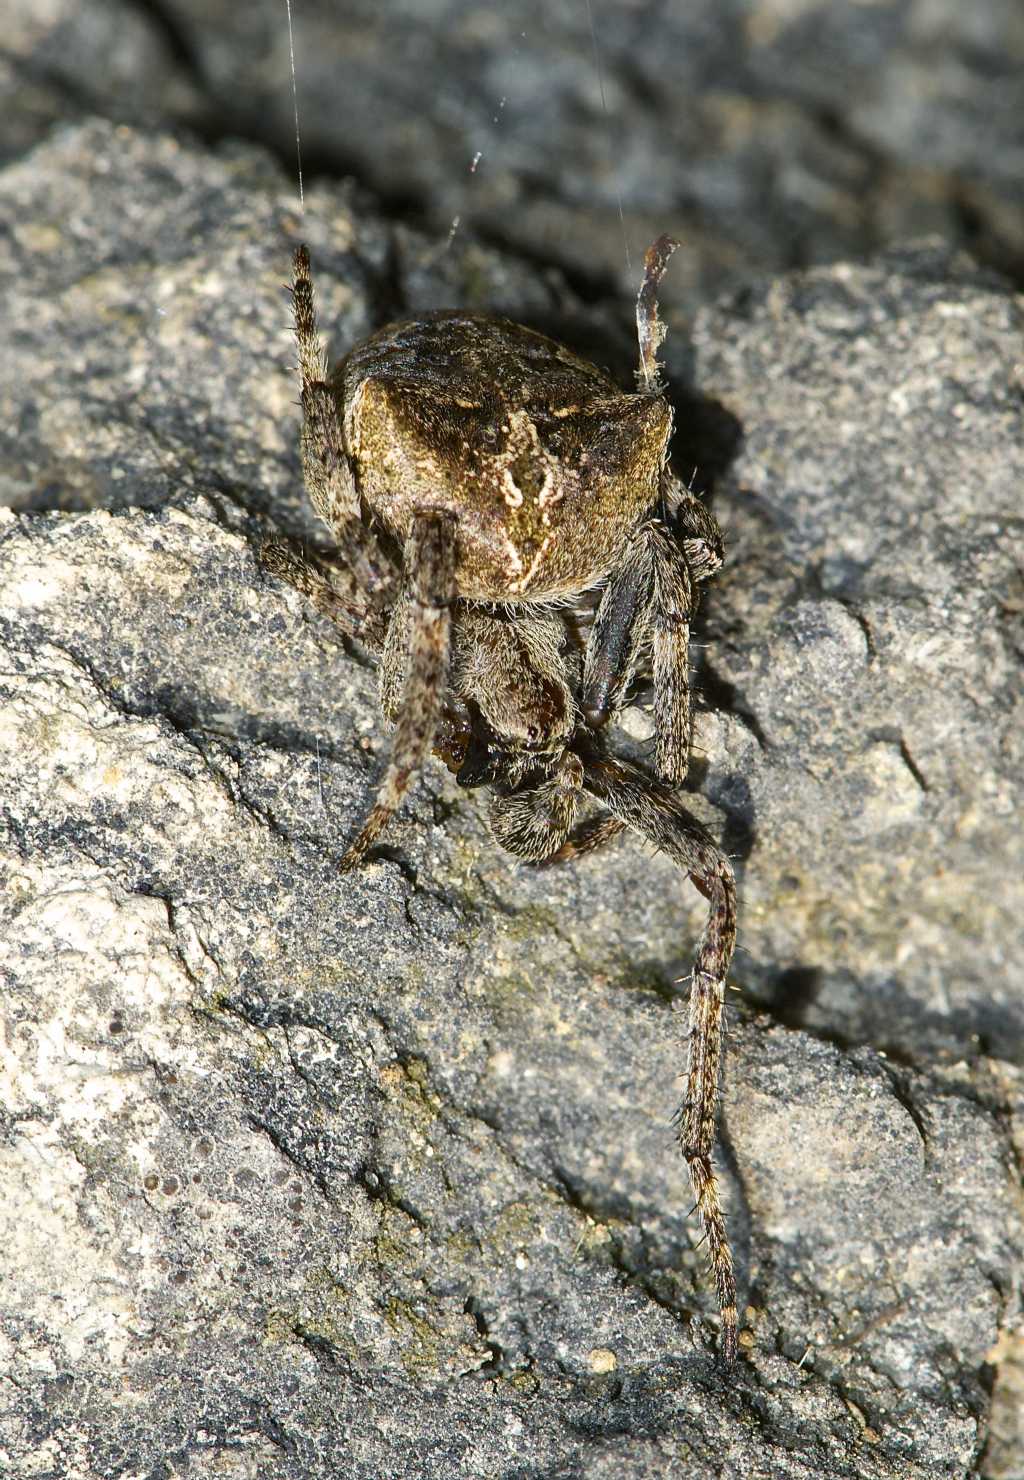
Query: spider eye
x=532, y=733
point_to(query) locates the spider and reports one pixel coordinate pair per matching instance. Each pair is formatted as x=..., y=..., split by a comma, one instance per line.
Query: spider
x=514, y=548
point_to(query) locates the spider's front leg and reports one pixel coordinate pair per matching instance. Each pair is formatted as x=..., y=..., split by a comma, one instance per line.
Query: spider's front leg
x=422, y=623
x=695, y=527
x=651, y=809
x=649, y=600
x=326, y=467
x=361, y=565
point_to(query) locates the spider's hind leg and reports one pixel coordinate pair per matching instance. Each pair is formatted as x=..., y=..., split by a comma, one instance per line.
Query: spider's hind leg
x=425, y=617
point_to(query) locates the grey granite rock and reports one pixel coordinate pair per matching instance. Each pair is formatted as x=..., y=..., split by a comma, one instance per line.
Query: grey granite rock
x=305, y=1175
x=875, y=508
x=66, y=60
x=765, y=134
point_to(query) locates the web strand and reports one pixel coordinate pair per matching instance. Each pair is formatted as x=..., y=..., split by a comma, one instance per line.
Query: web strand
x=604, y=106
x=295, y=103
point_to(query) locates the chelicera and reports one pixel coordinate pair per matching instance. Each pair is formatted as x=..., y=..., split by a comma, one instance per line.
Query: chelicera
x=512, y=545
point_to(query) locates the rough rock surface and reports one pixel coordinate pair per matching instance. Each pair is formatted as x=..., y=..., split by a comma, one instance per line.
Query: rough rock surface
x=763, y=133
x=305, y=1175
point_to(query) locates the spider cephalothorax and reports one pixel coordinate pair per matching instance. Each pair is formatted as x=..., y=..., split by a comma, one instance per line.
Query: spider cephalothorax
x=493, y=495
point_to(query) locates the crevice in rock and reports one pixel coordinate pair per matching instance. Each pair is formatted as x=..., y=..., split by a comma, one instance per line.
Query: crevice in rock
x=496, y=1364
x=280, y=1144
x=379, y=1188
x=912, y=766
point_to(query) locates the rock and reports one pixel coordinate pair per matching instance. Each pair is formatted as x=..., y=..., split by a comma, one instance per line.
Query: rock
x=765, y=135
x=307, y=1174
x=66, y=61
x=874, y=510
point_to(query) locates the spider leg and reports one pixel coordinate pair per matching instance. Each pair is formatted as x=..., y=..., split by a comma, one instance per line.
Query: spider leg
x=649, y=599
x=328, y=475
x=426, y=625
x=591, y=835
x=326, y=468
x=651, y=809
x=348, y=610
x=695, y=527
x=533, y=820
x=672, y=608
x=617, y=635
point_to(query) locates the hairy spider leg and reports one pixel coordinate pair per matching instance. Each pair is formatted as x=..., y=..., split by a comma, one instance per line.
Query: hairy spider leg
x=328, y=477
x=673, y=605
x=347, y=610
x=651, y=809
x=533, y=820
x=695, y=528
x=647, y=604
x=325, y=465
x=615, y=645
x=593, y=834
x=426, y=618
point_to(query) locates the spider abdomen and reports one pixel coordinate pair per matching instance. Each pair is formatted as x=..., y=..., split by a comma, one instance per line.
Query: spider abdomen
x=545, y=462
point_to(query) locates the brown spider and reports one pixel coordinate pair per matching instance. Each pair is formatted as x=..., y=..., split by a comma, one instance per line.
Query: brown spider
x=487, y=488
